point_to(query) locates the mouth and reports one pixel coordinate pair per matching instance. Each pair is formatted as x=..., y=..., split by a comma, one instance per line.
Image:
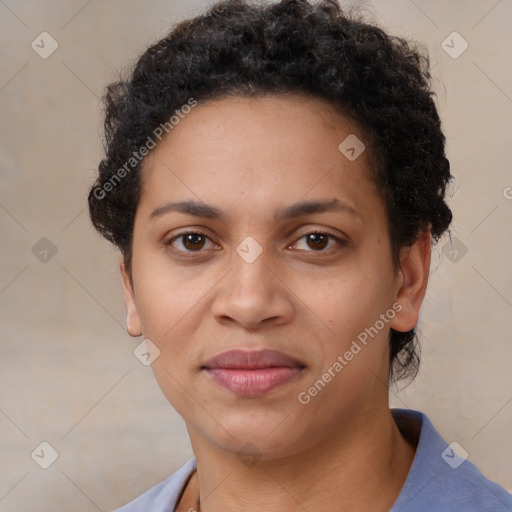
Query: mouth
x=253, y=373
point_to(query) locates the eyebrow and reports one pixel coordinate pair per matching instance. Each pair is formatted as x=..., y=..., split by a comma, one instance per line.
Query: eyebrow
x=206, y=211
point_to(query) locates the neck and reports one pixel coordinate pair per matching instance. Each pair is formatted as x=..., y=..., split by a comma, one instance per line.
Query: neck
x=360, y=466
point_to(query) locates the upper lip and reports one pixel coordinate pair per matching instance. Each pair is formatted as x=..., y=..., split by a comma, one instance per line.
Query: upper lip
x=253, y=359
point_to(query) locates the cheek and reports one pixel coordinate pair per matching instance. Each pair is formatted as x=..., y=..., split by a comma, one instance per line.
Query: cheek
x=356, y=355
x=352, y=309
x=349, y=300
x=168, y=296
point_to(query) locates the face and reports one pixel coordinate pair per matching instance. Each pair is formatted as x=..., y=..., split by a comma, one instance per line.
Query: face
x=254, y=231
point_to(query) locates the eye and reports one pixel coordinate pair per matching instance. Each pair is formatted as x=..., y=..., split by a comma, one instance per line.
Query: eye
x=190, y=241
x=197, y=242
x=318, y=241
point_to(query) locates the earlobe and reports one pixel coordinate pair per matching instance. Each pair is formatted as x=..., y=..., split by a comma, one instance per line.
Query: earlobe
x=133, y=323
x=412, y=282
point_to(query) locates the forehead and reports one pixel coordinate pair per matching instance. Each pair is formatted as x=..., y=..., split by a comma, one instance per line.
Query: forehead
x=260, y=150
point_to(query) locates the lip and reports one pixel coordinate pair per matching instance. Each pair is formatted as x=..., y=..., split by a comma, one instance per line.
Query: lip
x=252, y=359
x=253, y=373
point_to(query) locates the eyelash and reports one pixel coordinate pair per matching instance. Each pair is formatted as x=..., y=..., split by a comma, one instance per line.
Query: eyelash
x=330, y=236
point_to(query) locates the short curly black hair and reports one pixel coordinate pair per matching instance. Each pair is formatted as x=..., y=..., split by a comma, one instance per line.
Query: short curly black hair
x=239, y=48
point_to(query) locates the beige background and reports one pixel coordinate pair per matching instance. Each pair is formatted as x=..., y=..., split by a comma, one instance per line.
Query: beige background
x=67, y=372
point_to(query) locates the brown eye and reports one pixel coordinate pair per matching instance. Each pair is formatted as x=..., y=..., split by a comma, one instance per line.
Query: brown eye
x=190, y=242
x=317, y=241
x=193, y=241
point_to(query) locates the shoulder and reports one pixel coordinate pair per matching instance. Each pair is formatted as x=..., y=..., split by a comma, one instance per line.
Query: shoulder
x=162, y=497
x=440, y=479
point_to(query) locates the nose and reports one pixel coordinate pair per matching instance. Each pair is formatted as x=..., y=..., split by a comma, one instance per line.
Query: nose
x=253, y=295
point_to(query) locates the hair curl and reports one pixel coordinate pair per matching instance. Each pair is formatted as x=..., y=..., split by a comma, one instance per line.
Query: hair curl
x=290, y=47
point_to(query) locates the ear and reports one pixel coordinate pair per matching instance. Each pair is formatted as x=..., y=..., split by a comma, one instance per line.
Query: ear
x=412, y=282
x=133, y=323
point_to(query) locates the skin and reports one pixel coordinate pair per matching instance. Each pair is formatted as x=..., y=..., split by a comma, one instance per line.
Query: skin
x=251, y=157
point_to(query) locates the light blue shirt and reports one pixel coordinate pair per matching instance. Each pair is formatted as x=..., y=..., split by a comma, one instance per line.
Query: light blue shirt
x=438, y=480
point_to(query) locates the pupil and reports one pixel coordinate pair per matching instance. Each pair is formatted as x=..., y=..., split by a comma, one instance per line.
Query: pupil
x=318, y=240
x=194, y=241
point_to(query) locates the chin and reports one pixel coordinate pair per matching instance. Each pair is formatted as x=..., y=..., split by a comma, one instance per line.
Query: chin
x=264, y=436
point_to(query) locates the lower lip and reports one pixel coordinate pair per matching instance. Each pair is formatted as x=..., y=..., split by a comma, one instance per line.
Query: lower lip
x=253, y=382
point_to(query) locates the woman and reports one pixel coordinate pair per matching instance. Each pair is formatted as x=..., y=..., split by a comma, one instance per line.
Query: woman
x=274, y=179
